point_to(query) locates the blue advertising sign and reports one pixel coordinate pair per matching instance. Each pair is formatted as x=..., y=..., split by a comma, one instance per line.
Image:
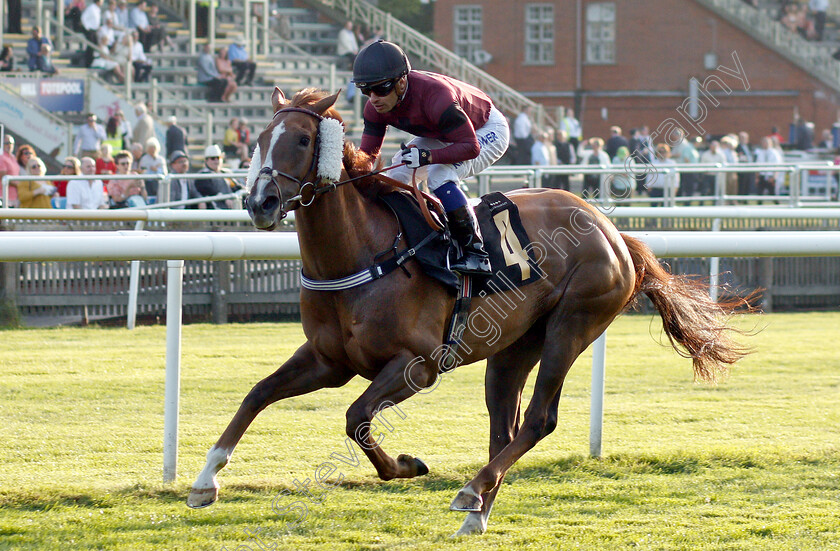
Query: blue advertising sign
x=55, y=94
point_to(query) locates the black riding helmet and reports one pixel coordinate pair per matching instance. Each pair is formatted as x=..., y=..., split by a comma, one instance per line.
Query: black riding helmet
x=379, y=61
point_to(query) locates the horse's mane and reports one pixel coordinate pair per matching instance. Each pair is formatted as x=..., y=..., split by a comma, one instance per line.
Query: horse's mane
x=356, y=162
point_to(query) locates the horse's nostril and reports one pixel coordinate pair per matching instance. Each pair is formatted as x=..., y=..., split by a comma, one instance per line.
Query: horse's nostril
x=270, y=203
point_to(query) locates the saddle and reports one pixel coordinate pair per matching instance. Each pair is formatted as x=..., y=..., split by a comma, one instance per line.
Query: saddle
x=505, y=240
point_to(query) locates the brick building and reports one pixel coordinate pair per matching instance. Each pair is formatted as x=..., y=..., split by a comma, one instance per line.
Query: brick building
x=634, y=63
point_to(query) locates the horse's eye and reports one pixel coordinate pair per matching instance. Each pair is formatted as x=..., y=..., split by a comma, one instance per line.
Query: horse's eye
x=304, y=141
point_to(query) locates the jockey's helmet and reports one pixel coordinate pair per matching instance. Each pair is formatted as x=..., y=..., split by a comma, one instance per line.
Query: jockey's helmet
x=379, y=61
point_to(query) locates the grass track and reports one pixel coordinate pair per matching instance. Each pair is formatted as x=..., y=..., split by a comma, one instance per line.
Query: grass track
x=750, y=464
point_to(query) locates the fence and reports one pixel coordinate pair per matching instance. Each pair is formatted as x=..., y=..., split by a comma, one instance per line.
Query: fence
x=174, y=247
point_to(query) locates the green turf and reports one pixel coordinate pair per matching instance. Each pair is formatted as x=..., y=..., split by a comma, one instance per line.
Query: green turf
x=750, y=464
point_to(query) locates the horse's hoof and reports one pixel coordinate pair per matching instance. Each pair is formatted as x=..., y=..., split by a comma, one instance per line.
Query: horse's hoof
x=412, y=466
x=202, y=497
x=467, y=501
x=421, y=467
x=472, y=525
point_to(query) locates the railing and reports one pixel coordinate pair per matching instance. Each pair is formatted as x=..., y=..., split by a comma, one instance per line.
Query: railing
x=431, y=54
x=811, y=56
x=531, y=176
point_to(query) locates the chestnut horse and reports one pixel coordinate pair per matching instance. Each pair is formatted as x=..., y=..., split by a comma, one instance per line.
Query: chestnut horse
x=390, y=330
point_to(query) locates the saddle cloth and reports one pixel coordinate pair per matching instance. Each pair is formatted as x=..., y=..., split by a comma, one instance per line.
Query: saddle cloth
x=505, y=240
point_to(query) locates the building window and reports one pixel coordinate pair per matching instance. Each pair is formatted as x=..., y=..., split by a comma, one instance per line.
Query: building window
x=539, y=34
x=467, y=31
x=600, y=32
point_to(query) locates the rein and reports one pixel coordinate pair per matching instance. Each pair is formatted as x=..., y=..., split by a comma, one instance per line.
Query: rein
x=273, y=174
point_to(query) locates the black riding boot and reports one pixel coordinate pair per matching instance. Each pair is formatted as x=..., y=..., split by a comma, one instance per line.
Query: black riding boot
x=464, y=227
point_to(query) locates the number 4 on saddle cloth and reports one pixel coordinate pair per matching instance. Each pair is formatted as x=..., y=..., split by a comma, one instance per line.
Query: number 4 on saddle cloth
x=505, y=239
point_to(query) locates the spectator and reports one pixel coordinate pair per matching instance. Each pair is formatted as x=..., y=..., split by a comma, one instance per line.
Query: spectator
x=284, y=27
x=144, y=128
x=39, y=48
x=208, y=187
x=243, y=67
x=125, y=127
x=111, y=17
x=804, y=132
x=378, y=34
x=123, y=16
x=615, y=141
x=202, y=18
x=105, y=164
x=137, y=151
x=728, y=144
x=86, y=194
x=35, y=194
x=91, y=21
x=621, y=183
x=114, y=134
x=176, y=136
x=9, y=166
x=14, y=15
x=139, y=21
x=69, y=168
x=245, y=137
x=658, y=181
x=746, y=180
x=769, y=183
x=685, y=153
x=103, y=59
x=218, y=88
x=181, y=189
x=125, y=193
x=347, y=46
x=152, y=162
x=232, y=146
x=106, y=29
x=594, y=157
x=89, y=138
x=572, y=127
x=139, y=60
x=7, y=59
x=225, y=68
x=157, y=31
x=24, y=153
x=73, y=15
x=565, y=156
x=522, y=128
x=819, y=9
x=539, y=153
x=713, y=182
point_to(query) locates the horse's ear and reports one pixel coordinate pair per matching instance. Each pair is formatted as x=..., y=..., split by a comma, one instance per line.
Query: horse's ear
x=324, y=104
x=278, y=100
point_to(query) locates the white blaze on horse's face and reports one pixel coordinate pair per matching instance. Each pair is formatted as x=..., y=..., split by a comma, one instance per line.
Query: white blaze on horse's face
x=258, y=163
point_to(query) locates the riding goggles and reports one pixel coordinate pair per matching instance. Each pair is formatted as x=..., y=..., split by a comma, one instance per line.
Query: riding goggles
x=381, y=89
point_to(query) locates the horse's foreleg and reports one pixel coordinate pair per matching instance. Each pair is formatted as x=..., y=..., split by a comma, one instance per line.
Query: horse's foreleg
x=302, y=373
x=399, y=379
x=504, y=380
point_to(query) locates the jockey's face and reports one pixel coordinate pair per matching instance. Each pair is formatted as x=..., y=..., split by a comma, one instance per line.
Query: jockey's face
x=385, y=103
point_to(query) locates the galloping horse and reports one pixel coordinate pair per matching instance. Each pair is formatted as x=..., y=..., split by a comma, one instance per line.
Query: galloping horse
x=390, y=330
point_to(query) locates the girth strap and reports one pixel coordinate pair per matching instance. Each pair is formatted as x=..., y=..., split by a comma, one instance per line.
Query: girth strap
x=376, y=271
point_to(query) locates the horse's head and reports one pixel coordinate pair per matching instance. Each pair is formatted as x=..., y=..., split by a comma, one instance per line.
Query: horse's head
x=301, y=148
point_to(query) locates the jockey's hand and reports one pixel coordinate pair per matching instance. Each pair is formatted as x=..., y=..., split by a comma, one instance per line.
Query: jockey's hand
x=415, y=157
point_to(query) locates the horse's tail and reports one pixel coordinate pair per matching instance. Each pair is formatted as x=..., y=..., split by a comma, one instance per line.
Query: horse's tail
x=695, y=324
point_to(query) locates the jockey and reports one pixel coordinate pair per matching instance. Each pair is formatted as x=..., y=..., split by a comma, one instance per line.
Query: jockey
x=459, y=133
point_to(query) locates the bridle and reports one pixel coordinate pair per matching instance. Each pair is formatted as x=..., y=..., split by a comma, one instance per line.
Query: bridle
x=272, y=174
x=309, y=191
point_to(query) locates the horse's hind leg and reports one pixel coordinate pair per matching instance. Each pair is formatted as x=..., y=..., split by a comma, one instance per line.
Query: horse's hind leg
x=504, y=380
x=571, y=327
x=302, y=373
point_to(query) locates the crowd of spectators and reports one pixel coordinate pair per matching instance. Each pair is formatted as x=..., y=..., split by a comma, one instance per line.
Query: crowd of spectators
x=119, y=148
x=555, y=147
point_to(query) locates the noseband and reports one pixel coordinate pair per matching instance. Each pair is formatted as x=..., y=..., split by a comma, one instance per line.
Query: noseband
x=272, y=174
